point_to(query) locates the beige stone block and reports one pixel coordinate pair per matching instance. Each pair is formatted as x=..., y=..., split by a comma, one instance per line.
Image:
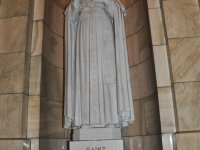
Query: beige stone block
x=35, y=144
x=26, y=73
x=133, y=50
x=152, y=118
x=135, y=82
x=144, y=42
x=12, y=72
x=37, y=38
x=10, y=8
x=54, y=17
x=188, y=105
x=13, y=38
x=185, y=54
x=161, y=61
x=53, y=47
x=167, y=113
x=14, y=144
x=135, y=19
x=147, y=78
x=138, y=126
x=54, y=82
x=53, y=144
x=38, y=12
x=128, y=3
x=143, y=80
x=13, y=116
x=168, y=142
x=182, y=18
x=61, y=3
x=51, y=123
x=133, y=143
x=188, y=141
x=152, y=142
x=33, y=125
x=153, y=3
x=35, y=75
x=156, y=25
x=29, y=36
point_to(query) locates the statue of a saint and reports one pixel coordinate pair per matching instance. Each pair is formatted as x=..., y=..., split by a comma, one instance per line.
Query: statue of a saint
x=97, y=88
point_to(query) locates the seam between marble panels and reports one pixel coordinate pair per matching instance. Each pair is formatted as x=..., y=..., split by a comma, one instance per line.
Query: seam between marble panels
x=12, y=53
x=13, y=17
x=146, y=135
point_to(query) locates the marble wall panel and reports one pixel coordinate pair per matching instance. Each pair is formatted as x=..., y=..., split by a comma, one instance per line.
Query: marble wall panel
x=144, y=43
x=33, y=123
x=187, y=141
x=182, y=18
x=51, y=122
x=163, y=75
x=153, y=3
x=38, y=11
x=167, y=112
x=13, y=114
x=153, y=142
x=138, y=126
x=53, y=47
x=37, y=38
x=61, y=3
x=16, y=36
x=12, y=72
x=143, y=143
x=54, y=17
x=10, y=8
x=168, y=141
x=34, y=144
x=143, y=80
x=185, y=54
x=29, y=36
x=156, y=24
x=15, y=145
x=152, y=117
x=53, y=144
x=26, y=73
x=147, y=78
x=54, y=82
x=133, y=50
x=133, y=143
x=135, y=82
x=35, y=75
x=135, y=18
x=188, y=105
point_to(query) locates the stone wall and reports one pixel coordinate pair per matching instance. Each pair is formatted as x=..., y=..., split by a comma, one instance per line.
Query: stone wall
x=175, y=32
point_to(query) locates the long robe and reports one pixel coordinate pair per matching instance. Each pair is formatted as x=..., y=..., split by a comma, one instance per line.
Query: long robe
x=97, y=88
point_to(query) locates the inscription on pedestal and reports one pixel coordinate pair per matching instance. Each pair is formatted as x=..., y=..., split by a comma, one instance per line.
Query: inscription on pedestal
x=96, y=148
x=97, y=145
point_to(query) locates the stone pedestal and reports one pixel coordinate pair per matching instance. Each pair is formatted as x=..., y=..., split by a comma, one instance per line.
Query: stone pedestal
x=97, y=139
x=97, y=145
x=90, y=134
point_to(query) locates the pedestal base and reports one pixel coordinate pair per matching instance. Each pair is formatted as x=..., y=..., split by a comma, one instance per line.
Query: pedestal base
x=97, y=145
x=89, y=134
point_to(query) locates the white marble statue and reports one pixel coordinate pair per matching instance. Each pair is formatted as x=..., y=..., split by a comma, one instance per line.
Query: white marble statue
x=97, y=88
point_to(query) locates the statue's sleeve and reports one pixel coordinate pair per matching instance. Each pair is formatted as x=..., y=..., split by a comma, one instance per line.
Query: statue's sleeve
x=72, y=17
x=125, y=104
